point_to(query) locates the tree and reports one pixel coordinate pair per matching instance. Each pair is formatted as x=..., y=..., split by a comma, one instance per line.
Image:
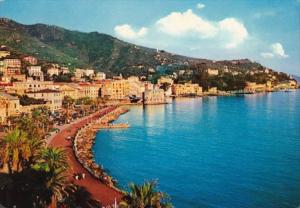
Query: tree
x=79, y=197
x=15, y=150
x=53, y=161
x=41, y=117
x=68, y=103
x=145, y=196
x=85, y=103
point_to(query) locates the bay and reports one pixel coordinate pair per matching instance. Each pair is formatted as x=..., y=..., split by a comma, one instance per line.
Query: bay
x=241, y=151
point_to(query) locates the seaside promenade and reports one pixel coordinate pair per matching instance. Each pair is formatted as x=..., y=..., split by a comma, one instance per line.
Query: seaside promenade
x=99, y=191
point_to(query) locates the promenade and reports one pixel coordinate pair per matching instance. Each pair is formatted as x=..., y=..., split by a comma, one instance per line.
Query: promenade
x=99, y=191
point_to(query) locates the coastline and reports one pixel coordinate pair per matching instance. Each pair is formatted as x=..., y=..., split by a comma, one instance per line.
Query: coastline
x=101, y=192
x=84, y=141
x=89, y=124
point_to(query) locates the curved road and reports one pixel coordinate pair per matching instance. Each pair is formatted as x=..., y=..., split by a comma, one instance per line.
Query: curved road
x=99, y=191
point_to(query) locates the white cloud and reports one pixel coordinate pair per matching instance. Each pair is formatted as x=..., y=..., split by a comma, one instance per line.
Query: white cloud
x=181, y=24
x=259, y=15
x=267, y=55
x=200, y=6
x=235, y=30
x=127, y=32
x=231, y=31
x=276, y=51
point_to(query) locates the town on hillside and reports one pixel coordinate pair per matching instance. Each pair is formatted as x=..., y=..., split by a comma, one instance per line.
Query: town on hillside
x=27, y=83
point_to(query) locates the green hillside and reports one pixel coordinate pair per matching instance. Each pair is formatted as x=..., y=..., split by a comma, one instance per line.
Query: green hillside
x=108, y=54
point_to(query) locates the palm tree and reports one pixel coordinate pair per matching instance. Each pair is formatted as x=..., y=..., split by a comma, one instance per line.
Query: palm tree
x=54, y=162
x=15, y=150
x=52, y=159
x=79, y=197
x=36, y=143
x=41, y=116
x=145, y=196
x=68, y=104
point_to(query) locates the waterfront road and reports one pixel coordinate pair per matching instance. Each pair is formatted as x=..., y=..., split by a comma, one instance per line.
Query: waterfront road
x=99, y=191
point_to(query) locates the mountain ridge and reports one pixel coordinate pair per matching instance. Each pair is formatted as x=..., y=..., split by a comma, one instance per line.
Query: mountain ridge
x=98, y=50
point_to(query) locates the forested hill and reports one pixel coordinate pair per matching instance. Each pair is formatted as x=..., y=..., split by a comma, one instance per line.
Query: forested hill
x=105, y=53
x=97, y=50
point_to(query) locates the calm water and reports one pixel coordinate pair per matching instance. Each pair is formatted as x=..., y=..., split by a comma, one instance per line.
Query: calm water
x=212, y=152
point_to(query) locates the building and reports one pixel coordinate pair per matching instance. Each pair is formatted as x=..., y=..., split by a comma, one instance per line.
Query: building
x=89, y=72
x=79, y=73
x=11, y=67
x=118, y=77
x=148, y=85
x=4, y=53
x=290, y=84
x=100, y=76
x=70, y=90
x=88, y=90
x=136, y=87
x=10, y=71
x=186, y=89
x=9, y=106
x=213, y=72
x=253, y=87
x=2, y=68
x=64, y=70
x=52, y=97
x=213, y=91
x=21, y=88
x=31, y=60
x=225, y=68
x=156, y=96
x=165, y=80
x=115, y=90
x=53, y=70
x=12, y=63
x=36, y=71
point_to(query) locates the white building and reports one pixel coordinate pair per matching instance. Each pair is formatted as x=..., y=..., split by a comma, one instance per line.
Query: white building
x=35, y=71
x=89, y=72
x=53, y=71
x=100, y=76
x=213, y=72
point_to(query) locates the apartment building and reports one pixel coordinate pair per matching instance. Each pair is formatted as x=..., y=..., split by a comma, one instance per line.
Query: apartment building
x=186, y=89
x=31, y=60
x=9, y=106
x=156, y=96
x=51, y=96
x=116, y=90
x=29, y=85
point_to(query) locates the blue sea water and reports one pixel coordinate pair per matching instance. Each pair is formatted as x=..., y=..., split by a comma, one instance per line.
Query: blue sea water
x=227, y=152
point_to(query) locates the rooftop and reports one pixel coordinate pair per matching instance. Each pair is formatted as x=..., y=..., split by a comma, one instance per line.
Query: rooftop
x=44, y=91
x=8, y=96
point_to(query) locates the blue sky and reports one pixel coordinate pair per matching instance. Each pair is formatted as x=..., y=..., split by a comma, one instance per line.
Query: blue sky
x=267, y=31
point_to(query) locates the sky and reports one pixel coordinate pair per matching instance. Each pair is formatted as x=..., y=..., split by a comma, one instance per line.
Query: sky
x=266, y=31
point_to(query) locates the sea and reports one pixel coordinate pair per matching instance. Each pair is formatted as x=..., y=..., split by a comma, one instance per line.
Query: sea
x=211, y=152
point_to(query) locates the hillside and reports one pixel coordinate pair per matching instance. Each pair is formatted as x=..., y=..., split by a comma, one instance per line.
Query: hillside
x=78, y=49
x=108, y=54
